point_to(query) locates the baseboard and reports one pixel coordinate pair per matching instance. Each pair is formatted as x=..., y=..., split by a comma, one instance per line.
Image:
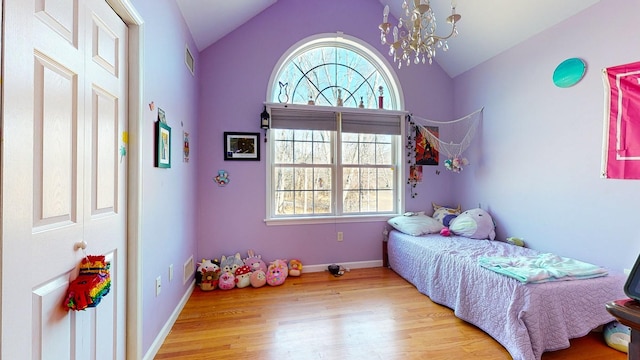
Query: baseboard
x=157, y=343
x=348, y=265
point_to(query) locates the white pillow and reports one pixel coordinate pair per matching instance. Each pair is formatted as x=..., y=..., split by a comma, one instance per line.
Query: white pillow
x=415, y=224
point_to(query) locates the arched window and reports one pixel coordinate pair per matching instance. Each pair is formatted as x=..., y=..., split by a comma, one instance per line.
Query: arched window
x=335, y=133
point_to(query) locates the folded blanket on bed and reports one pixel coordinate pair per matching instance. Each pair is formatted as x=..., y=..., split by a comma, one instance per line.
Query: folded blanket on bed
x=541, y=268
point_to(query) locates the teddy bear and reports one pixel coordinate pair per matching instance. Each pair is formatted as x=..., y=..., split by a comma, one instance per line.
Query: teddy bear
x=255, y=261
x=243, y=274
x=231, y=264
x=226, y=281
x=258, y=278
x=277, y=272
x=295, y=267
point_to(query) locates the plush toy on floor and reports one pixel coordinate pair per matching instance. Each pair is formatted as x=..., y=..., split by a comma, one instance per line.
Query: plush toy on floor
x=258, y=278
x=255, y=262
x=231, y=264
x=295, y=267
x=277, y=272
x=227, y=281
x=617, y=336
x=243, y=276
x=209, y=272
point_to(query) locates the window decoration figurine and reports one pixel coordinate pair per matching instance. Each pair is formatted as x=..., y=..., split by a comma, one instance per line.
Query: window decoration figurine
x=283, y=96
x=381, y=97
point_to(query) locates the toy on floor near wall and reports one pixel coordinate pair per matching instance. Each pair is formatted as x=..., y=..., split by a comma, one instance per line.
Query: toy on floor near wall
x=255, y=262
x=277, y=272
x=295, y=267
x=258, y=278
x=617, y=336
x=231, y=264
x=209, y=274
x=243, y=276
x=227, y=281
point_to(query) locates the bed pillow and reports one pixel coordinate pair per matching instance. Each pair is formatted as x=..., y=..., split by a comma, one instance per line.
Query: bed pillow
x=474, y=224
x=445, y=214
x=415, y=224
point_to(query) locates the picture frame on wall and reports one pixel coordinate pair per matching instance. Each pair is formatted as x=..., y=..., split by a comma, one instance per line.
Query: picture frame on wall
x=163, y=145
x=242, y=146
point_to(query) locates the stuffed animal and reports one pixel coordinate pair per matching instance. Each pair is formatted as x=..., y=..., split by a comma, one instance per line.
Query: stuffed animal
x=295, y=267
x=617, y=336
x=227, y=281
x=474, y=224
x=445, y=231
x=202, y=264
x=255, y=262
x=231, y=264
x=277, y=272
x=209, y=272
x=258, y=278
x=243, y=274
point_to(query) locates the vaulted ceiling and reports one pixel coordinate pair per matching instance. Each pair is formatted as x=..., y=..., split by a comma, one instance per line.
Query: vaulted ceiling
x=487, y=28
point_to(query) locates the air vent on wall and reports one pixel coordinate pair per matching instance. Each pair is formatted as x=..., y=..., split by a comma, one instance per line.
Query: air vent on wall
x=188, y=59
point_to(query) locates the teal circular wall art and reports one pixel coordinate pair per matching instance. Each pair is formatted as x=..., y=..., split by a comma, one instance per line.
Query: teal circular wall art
x=569, y=72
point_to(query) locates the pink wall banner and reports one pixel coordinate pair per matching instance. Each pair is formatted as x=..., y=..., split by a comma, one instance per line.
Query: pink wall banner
x=621, y=148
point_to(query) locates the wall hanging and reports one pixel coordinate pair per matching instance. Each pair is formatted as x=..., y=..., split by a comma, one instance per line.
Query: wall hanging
x=241, y=146
x=569, y=72
x=91, y=285
x=621, y=147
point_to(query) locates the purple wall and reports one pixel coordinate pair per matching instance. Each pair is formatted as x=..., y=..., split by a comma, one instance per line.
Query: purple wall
x=536, y=162
x=168, y=219
x=233, y=86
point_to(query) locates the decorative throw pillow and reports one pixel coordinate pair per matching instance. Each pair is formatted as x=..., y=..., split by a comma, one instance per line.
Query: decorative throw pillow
x=474, y=224
x=445, y=214
x=415, y=224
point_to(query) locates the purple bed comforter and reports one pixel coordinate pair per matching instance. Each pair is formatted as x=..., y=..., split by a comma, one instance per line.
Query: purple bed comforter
x=527, y=319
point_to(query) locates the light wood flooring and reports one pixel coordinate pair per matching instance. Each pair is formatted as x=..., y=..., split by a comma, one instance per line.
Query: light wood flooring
x=365, y=314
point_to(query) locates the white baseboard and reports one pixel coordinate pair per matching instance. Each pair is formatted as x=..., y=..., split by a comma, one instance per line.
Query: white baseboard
x=157, y=343
x=348, y=265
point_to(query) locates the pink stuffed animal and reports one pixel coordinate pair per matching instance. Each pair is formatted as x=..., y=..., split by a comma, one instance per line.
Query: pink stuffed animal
x=255, y=262
x=226, y=281
x=243, y=275
x=258, y=278
x=277, y=272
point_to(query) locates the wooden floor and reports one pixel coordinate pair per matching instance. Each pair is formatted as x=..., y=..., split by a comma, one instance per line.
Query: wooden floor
x=365, y=314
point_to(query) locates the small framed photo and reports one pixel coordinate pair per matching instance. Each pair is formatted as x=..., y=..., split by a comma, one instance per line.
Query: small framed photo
x=241, y=146
x=163, y=145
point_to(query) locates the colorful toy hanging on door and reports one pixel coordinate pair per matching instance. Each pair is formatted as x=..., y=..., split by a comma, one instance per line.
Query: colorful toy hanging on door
x=91, y=285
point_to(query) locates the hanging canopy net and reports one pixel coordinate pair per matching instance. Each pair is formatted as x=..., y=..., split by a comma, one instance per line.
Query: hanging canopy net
x=463, y=129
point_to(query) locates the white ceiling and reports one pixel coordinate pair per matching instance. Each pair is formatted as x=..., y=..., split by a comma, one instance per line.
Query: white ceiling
x=487, y=27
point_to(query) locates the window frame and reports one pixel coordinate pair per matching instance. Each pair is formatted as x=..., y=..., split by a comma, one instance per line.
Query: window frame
x=393, y=97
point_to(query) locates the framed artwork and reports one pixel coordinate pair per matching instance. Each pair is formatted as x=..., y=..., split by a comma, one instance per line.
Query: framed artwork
x=425, y=153
x=241, y=146
x=163, y=145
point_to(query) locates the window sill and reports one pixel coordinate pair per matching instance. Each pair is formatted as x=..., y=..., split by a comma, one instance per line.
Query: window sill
x=328, y=220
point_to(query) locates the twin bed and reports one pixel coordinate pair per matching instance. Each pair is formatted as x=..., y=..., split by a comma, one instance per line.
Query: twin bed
x=528, y=319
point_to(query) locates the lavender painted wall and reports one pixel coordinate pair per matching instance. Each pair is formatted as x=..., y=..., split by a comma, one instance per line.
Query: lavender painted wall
x=233, y=85
x=536, y=162
x=168, y=219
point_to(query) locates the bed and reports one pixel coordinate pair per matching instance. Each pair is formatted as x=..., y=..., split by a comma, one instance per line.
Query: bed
x=528, y=319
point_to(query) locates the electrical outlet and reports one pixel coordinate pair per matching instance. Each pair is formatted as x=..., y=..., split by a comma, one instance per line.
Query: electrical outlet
x=171, y=273
x=340, y=236
x=158, y=285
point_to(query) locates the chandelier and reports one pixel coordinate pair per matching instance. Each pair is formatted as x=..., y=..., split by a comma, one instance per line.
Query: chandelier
x=415, y=35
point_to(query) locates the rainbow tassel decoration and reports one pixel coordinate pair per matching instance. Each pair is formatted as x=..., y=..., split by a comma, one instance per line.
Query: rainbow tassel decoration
x=91, y=285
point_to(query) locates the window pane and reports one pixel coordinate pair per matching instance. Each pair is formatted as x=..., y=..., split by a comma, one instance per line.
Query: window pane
x=351, y=179
x=367, y=153
x=322, y=153
x=384, y=154
x=385, y=179
x=385, y=200
x=283, y=151
x=351, y=203
x=303, y=179
x=322, y=202
x=302, y=152
x=283, y=178
x=349, y=153
x=284, y=202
